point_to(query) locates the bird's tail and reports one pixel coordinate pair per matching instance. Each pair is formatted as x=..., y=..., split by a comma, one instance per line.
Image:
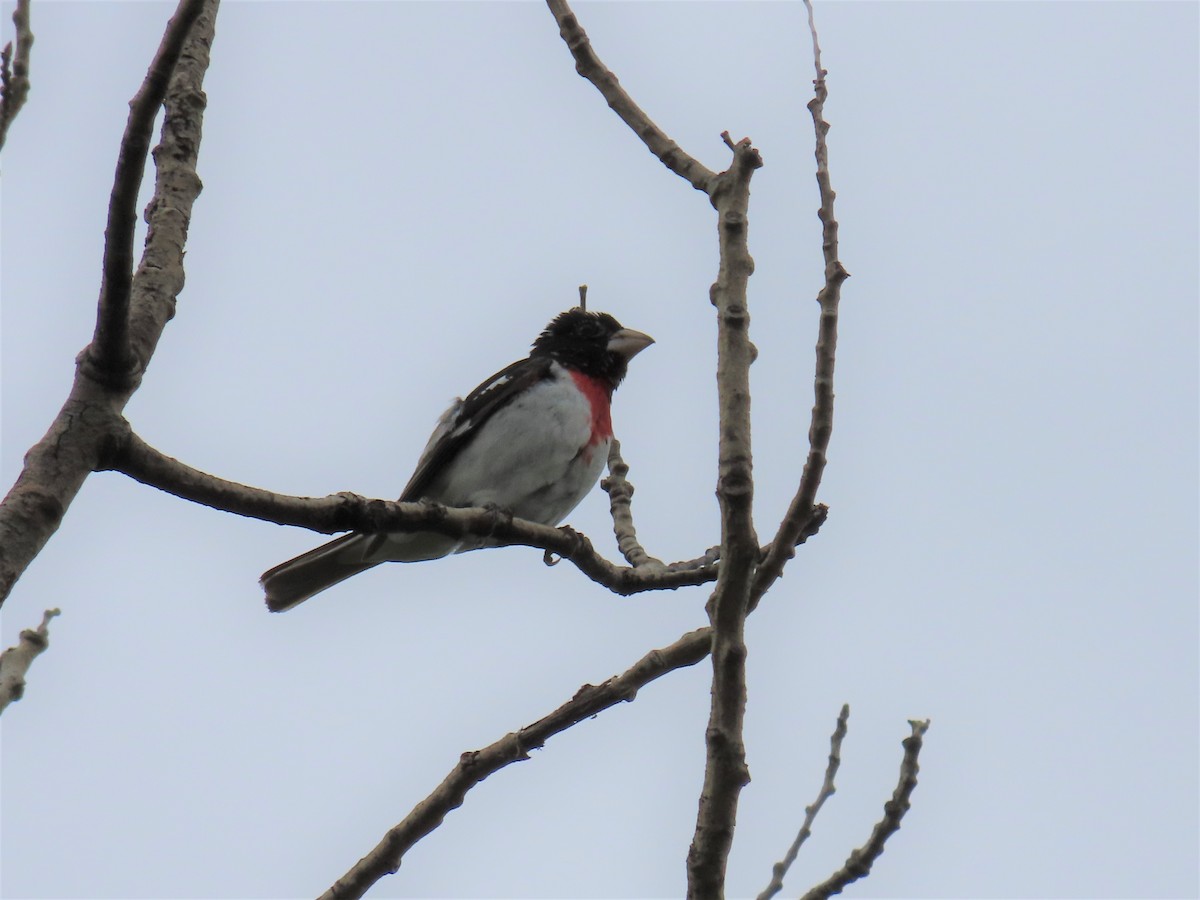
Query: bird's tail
x=294, y=581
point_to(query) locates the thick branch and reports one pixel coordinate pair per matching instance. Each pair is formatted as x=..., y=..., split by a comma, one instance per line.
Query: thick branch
x=15, y=661
x=14, y=70
x=729, y=192
x=57, y=465
x=160, y=274
x=780, y=869
x=725, y=772
x=129, y=454
x=474, y=767
x=858, y=864
x=110, y=357
x=588, y=64
x=821, y=423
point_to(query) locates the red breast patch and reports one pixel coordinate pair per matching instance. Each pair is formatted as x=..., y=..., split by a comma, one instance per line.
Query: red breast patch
x=599, y=397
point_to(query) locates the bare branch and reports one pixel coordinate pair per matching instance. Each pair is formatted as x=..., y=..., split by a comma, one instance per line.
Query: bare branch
x=711, y=557
x=858, y=864
x=620, y=497
x=14, y=70
x=713, y=554
x=110, y=358
x=821, y=424
x=725, y=772
x=128, y=453
x=15, y=661
x=588, y=64
x=71, y=449
x=473, y=767
x=780, y=869
x=160, y=275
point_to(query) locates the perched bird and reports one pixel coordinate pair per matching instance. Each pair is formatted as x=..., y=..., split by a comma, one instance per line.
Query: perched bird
x=531, y=440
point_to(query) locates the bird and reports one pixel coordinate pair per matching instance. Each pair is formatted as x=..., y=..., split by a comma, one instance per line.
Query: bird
x=531, y=440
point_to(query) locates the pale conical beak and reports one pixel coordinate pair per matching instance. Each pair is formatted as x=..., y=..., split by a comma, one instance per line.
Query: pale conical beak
x=629, y=343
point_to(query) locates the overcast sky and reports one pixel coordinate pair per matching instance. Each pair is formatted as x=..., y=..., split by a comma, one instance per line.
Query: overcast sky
x=398, y=196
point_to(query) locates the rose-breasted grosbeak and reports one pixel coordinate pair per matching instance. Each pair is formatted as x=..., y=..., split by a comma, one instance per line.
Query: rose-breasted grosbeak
x=532, y=440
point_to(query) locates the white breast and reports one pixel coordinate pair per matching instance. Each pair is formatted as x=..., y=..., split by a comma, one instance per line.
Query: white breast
x=532, y=457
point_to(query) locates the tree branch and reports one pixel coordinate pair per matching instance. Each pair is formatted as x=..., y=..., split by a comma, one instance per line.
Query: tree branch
x=858, y=864
x=56, y=467
x=725, y=772
x=588, y=64
x=128, y=453
x=15, y=661
x=780, y=869
x=620, y=504
x=821, y=424
x=729, y=193
x=160, y=275
x=14, y=70
x=110, y=358
x=473, y=767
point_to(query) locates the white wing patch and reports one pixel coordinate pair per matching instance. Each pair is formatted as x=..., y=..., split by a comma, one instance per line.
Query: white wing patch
x=447, y=424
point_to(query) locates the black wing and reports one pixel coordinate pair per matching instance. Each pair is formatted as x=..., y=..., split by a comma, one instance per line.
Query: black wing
x=463, y=419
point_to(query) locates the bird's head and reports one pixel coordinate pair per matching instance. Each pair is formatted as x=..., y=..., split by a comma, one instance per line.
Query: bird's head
x=593, y=342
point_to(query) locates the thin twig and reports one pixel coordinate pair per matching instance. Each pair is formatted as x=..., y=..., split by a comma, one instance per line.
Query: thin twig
x=620, y=501
x=14, y=70
x=15, y=661
x=110, y=358
x=588, y=64
x=816, y=46
x=821, y=424
x=710, y=557
x=858, y=864
x=473, y=767
x=780, y=869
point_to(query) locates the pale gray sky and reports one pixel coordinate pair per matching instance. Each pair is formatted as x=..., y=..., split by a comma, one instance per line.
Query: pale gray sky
x=397, y=197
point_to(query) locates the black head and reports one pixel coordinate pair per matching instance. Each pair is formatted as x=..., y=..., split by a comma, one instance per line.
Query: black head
x=593, y=342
